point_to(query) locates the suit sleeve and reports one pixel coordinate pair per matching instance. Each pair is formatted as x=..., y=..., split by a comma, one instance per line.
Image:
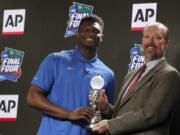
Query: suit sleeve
x=154, y=111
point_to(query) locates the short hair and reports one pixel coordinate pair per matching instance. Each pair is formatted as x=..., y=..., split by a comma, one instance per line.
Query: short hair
x=93, y=18
x=161, y=26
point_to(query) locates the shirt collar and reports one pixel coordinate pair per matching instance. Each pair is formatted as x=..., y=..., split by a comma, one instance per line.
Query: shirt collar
x=153, y=63
x=79, y=56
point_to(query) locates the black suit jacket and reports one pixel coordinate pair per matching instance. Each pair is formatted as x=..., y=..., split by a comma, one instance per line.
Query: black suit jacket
x=147, y=109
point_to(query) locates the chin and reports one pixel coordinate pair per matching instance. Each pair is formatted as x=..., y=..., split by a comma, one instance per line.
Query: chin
x=151, y=58
x=91, y=47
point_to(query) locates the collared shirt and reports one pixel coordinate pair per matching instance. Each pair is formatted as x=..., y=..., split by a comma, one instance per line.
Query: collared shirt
x=151, y=64
x=66, y=77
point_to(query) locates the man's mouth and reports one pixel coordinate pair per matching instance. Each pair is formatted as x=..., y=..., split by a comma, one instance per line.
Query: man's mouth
x=89, y=39
x=150, y=46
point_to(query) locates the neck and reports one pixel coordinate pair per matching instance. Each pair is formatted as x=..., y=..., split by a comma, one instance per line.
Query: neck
x=149, y=60
x=87, y=52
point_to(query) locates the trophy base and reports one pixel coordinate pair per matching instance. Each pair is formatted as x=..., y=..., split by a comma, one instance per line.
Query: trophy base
x=90, y=126
x=95, y=119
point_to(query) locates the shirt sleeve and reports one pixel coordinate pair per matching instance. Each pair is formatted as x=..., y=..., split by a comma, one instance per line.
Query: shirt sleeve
x=44, y=76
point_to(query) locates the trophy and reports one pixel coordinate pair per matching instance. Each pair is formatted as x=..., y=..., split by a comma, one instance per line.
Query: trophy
x=97, y=83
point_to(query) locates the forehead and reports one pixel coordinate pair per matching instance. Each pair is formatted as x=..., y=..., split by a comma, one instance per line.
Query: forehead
x=155, y=30
x=91, y=24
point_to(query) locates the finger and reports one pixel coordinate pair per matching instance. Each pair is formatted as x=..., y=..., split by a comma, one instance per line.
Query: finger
x=104, y=94
x=96, y=128
x=85, y=118
x=86, y=112
x=89, y=114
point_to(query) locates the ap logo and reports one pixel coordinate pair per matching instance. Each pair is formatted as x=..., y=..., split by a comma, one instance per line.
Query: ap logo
x=13, y=22
x=8, y=107
x=142, y=14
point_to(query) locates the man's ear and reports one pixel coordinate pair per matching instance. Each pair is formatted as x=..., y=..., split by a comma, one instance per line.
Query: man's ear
x=167, y=43
x=101, y=36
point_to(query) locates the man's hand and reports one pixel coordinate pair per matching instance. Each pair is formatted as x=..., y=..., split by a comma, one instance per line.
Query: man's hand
x=103, y=100
x=104, y=103
x=101, y=127
x=81, y=113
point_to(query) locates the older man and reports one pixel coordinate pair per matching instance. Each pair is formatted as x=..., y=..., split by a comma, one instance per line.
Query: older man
x=146, y=101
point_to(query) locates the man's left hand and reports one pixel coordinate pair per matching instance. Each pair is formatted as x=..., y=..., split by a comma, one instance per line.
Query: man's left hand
x=101, y=127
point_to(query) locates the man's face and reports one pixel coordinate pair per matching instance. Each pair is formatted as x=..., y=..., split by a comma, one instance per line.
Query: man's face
x=89, y=34
x=154, y=43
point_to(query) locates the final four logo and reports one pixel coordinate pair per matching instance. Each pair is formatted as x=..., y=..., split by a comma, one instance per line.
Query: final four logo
x=10, y=67
x=76, y=12
x=137, y=57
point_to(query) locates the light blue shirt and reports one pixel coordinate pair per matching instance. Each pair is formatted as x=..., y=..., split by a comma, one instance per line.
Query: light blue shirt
x=66, y=77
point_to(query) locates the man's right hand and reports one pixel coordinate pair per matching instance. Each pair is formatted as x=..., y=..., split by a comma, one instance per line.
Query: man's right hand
x=38, y=100
x=81, y=113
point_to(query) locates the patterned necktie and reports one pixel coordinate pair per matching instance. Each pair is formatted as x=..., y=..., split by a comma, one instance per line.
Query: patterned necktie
x=134, y=81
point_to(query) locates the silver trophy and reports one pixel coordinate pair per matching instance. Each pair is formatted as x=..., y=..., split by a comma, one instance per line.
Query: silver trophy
x=97, y=83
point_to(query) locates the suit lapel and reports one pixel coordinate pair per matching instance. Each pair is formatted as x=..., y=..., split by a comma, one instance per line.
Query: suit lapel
x=127, y=80
x=143, y=81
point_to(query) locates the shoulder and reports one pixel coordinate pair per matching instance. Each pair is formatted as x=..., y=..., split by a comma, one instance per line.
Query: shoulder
x=170, y=72
x=62, y=55
x=104, y=67
x=167, y=68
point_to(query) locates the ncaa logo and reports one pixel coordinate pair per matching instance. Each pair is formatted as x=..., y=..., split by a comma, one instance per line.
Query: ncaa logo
x=72, y=9
x=142, y=14
x=13, y=22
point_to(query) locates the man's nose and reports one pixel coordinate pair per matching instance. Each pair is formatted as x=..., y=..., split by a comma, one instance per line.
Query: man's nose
x=151, y=40
x=91, y=33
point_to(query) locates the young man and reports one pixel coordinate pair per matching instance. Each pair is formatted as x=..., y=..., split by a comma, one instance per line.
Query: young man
x=145, y=108
x=61, y=85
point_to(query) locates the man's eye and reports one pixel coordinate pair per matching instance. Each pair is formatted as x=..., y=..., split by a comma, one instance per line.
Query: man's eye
x=158, y=37
x=85, y=30
x=96, y=31
x=146, y=37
